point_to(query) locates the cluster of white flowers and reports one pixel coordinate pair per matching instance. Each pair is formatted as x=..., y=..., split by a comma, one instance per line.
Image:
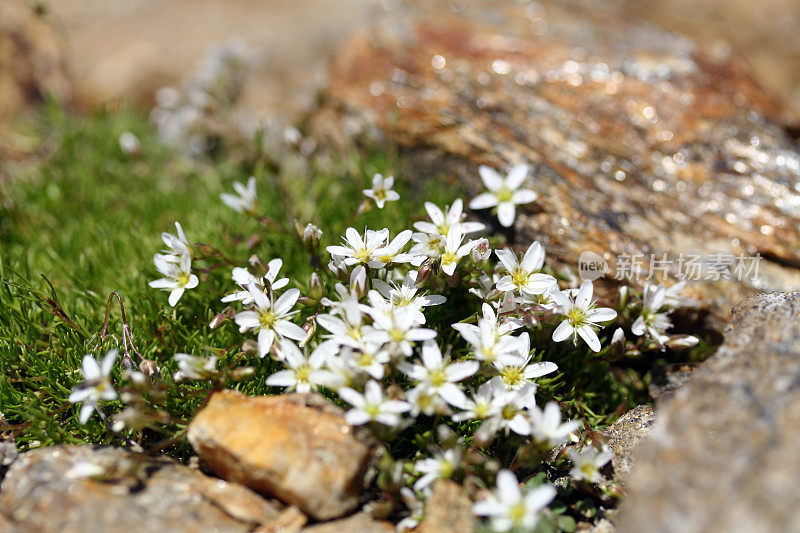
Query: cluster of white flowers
x=189, y=117
x=371, y=339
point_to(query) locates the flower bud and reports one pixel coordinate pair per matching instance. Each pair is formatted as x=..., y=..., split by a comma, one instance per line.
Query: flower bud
x=242, y=372
x=481, y=252
x=250, y=347
x=316, y=289
x=338, y=267
x=424, y=275
x=218, y=320
x=310, y=327
x=623, y=296
x=618, y=342
x=311, y=235
x=682, y=342
x=258, y=266
x=358, y=281
x=149, y=368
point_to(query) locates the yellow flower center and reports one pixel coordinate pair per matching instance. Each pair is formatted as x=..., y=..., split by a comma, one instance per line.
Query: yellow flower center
x=448, y=258
x=512, y=375
x=302, y=372
x=267, y=319
x=372, y=410
x=183, y=279
x=504, y=194
x=577, y=316
x=519, y=278
x=397, y=334
x=366, y=359
x=517, y=512
x=438, y=378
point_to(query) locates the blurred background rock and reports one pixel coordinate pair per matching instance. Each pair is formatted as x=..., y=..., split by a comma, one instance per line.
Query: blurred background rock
x=121, y=52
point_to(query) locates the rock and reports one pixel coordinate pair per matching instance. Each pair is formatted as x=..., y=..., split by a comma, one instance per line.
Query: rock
x=297, y=448
x=624, y=436
x=32, y=60
x=449, y=509
x=358, y=523
x=641, y=144
x=667, y=379
x=765, y=34
x=723, y=454
x=124, y=52
x=291, y=520
x=84, y=489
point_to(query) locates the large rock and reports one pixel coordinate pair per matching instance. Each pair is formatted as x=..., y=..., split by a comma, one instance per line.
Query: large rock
x=641, y=143
x=82, y=489
x=625, y=435
x=32, y=59
x=295, y=447
x=723, y=454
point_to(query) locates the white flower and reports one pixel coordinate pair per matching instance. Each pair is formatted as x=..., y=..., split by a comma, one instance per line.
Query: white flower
x=392, y=252
x=651, y=322
x=96, y=386
x=243, y=278
x=177, y=276
x=429, y=246
x=505, y=193
x=454, y=250
x=547, y=429
x=349, y=328
x=580, y=315
x=516, y=370
x=244, y=201
x=524, y=276
x=672, y=297
x=440, y=376
x=489, y=339
x=194, y=367
x=177, y=246
x=442, y=221
x=484, y=403
x=370, y=360
x=425, y=401
x=588, y=462
x=398, y=330
x=381, y=190
x=406, y=295
x=304, y=373
x=357, y=250
x=372, y=406
x=509, y=508
x=129, y=143
x=442, y=466
x=270, y=318
x=311, y=234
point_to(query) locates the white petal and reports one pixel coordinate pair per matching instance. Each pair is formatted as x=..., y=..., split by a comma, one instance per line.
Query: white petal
x=588, y=334
x=490, y=177
x=506, y=213
x=483, y=201
x=563, y=331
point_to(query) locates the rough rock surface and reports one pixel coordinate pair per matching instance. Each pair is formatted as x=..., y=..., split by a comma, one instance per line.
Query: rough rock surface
x=449, y=509
x=625, y=435
x=723, y=454
x=32, y=62
x=358, y=523
x=82, y=489
x=641, y=143
x=295, y=447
